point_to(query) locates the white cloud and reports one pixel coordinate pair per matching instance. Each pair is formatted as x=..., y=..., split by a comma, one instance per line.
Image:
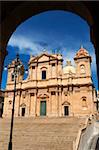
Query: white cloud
x=30, y=46
x=25, y=45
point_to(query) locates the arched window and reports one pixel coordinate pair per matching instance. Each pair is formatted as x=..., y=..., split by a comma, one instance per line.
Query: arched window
x=82, y=69
x=84, y=102
x=43, y=72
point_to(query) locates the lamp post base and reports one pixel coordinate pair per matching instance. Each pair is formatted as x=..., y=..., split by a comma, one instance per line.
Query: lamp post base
x=10, y=146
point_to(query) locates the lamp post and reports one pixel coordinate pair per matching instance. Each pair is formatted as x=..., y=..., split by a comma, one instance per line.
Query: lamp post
x=16, y=69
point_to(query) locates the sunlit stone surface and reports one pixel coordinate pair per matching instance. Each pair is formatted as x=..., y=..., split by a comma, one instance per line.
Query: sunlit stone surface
x=52, y=90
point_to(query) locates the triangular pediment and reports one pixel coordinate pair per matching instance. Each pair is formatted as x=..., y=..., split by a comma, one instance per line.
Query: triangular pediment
x=23, y=105
x=43, y=57
x=65, y=103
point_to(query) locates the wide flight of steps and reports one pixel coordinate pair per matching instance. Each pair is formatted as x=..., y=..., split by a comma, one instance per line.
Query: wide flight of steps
x=41, y=133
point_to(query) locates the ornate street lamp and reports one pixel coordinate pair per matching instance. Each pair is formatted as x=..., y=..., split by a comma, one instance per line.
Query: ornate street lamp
x=17, y=68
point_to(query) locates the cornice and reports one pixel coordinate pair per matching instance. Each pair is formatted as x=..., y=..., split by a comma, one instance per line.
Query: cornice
x=51, y=86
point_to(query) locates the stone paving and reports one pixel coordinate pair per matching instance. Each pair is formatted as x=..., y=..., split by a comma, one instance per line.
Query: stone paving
x=41, y=133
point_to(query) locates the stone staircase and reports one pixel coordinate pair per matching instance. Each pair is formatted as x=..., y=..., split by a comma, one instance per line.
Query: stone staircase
x=41, y=133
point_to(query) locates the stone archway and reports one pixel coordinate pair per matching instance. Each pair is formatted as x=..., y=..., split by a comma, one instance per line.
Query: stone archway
x=14, y=13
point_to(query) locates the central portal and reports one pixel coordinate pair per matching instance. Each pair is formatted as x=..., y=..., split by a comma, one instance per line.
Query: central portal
x=43, y=108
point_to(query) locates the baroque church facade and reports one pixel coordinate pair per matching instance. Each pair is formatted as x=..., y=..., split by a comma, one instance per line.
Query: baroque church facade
x=50, y=89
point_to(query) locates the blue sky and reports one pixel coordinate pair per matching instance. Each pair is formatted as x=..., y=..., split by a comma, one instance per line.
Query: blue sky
x=51, y=30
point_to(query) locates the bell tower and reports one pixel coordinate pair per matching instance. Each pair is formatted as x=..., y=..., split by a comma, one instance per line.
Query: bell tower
x=20, y=72
x=83, y=63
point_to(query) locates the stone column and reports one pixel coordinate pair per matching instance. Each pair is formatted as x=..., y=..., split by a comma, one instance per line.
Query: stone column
x=19, y=102
x=27, y=100
x=50, y=104
x=47, y=106
x=70, y=100
x=33, y=103
x=17, y=98
x=60, y=102
x=36, y=103
x=29, y=104
x=57, y=103
x=36, y=90
x=50, y=71
x=54, y=104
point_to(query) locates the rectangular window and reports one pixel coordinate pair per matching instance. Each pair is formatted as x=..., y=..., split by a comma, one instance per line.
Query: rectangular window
x=53, y=93
x=43, y=75
x=12, y=77
x=32, y=94
x=23, y=111
x=66, y=110
x=33, y=67
x=53, y=64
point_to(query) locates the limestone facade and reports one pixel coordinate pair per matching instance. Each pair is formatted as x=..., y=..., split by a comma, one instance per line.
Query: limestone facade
x=50, y=89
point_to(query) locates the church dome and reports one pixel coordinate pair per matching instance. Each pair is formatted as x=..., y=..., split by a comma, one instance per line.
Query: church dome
x=69, y=68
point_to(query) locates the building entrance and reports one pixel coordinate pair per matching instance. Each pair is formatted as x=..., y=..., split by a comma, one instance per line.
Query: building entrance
x=66, y=110
x=43, y=108
x=23, y=111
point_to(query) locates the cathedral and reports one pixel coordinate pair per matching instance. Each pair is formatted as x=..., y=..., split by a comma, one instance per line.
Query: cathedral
x=51, y=89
